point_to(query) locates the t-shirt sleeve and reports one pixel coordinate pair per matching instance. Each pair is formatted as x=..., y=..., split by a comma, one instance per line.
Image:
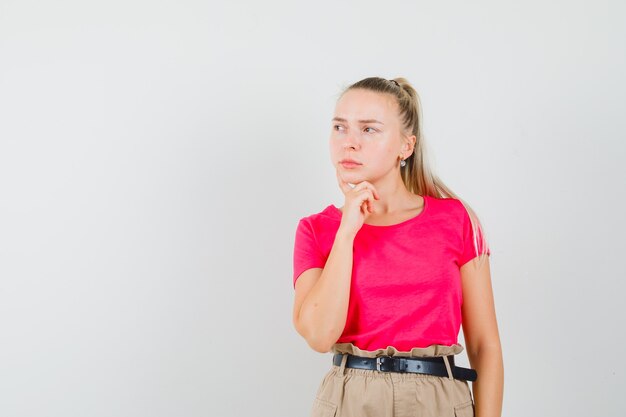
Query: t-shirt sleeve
x=470, y=249
x=306, y=252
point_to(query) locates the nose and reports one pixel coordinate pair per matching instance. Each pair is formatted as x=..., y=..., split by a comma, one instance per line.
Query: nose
x=351, y=142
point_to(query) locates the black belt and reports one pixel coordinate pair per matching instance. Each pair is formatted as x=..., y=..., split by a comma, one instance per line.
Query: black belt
x=431, y=365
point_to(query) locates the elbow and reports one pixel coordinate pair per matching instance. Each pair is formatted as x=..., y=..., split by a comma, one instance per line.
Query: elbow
x=321, y=346
x=319, y=341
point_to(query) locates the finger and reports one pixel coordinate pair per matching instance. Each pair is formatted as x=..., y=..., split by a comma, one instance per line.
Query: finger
x=370, y=202
x=365, y=206
x=343, y=185
x=375, y=194
x=370, y=186
x=366, y=196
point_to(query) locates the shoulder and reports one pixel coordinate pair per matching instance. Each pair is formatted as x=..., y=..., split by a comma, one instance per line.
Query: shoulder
x=318, y=227
x=328, y=215
x=451, y=208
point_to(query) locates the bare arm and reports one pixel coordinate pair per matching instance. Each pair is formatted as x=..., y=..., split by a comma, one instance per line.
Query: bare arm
x=322, y=295
x=482, y=339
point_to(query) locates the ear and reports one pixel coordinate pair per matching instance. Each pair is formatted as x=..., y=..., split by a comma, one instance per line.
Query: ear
x=410, y=144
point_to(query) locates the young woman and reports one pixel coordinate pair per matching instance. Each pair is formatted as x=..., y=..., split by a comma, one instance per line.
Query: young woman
x=386, y=281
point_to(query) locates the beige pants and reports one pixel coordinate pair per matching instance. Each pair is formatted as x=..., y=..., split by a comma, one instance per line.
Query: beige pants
x=351, y=392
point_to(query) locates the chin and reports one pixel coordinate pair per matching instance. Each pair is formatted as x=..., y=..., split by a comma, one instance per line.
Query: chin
x=352, y=175
x=355, y=179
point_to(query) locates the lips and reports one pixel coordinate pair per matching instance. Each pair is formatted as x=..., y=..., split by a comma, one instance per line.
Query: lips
x=349, y=161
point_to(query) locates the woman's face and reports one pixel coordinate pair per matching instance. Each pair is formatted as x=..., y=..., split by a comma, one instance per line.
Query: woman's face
x=366, y=128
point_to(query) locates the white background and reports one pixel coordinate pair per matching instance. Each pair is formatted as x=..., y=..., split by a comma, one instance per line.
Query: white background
x=155, y=157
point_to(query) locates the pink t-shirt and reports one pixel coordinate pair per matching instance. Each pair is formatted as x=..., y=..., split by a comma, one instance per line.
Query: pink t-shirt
x=406, y=285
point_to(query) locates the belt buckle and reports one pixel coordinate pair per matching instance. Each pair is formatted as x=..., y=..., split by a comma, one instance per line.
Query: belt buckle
x=379, y=362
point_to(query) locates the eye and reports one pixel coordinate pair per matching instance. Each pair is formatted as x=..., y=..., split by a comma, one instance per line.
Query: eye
x=335, y=127
x=373, y=130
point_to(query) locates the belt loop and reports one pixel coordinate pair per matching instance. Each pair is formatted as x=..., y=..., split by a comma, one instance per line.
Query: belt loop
x=445, y=359
x=342, y=367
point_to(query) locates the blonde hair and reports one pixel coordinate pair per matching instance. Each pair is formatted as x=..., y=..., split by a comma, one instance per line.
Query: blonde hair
x=417, y=175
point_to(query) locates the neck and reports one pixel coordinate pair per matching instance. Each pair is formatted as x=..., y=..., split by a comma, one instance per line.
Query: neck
x=394, y=196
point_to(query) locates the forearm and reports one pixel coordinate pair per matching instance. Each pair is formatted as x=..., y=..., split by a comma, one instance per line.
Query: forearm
x=489, y=386
x=325, y=309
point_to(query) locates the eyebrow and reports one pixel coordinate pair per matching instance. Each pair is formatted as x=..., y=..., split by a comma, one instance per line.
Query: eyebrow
x=339, y=119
